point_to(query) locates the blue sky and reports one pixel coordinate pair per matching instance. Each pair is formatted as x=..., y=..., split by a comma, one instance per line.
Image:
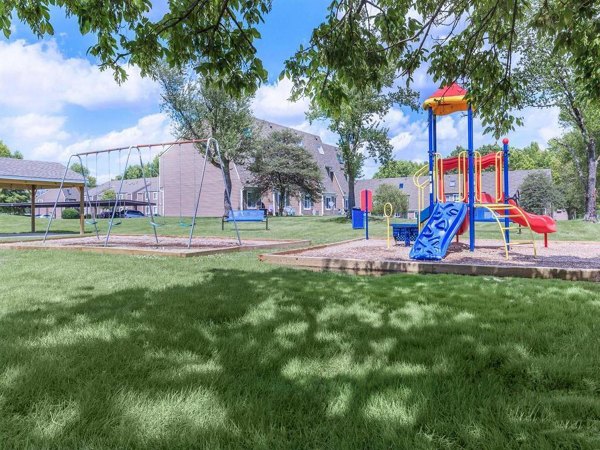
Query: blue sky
x=54, y=101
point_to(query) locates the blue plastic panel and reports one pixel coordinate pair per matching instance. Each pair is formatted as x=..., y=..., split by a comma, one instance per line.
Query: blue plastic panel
x=436, y=235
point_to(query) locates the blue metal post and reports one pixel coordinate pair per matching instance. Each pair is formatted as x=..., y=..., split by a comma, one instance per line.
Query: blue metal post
x=431, y=161
x=471, y=154
x=506, y=190
x=435, y=186
x=367, y=214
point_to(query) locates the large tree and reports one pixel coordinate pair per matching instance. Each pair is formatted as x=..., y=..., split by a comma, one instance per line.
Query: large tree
x=554, y=82
x=360, y=128
x=282, y=165
x=199, y=110
x=539, y=194
x=474, y=42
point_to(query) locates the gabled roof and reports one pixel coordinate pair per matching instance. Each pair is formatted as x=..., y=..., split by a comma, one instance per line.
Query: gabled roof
x=22, y=172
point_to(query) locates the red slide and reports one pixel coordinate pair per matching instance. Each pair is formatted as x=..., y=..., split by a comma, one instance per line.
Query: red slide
x=537, y=223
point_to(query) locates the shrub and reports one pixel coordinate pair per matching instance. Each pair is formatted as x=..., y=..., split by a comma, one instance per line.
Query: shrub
x=387, y=193
x=70, y=213
x=539, y=195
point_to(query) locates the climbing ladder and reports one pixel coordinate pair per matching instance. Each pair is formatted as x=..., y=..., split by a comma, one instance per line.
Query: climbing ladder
x=500, y=212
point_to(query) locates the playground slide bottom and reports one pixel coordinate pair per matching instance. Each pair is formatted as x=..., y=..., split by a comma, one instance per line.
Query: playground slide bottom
x=436, y=236
x=538, y=223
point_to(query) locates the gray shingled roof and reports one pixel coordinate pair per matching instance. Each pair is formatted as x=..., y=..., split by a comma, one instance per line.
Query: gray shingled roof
x=39, y=171
x=515, y=180
x=131, y=186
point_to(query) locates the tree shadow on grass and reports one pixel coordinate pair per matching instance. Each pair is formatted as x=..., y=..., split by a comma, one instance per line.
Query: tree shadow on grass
x=274, y=360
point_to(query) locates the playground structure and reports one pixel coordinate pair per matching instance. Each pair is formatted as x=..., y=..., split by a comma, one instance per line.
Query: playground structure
x=442, y=220
x=211, y=150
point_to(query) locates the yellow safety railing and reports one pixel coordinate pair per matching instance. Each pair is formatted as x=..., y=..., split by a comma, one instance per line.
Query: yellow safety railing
x=499, y=165
x=510, y=212
x=463, y=176
x=438, y=180
x=478, y=177
x=421, y=185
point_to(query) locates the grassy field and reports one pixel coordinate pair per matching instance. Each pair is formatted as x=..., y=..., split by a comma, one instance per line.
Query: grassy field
x=317, y=229
x=108, y=351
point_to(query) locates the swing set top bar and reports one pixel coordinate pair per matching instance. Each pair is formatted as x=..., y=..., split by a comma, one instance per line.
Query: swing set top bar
x=160, y=144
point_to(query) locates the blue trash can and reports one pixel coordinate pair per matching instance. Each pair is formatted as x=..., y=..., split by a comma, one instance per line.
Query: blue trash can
x=358, y=219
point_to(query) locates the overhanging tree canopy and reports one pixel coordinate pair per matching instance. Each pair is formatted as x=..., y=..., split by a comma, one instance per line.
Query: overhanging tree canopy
x=470, y=41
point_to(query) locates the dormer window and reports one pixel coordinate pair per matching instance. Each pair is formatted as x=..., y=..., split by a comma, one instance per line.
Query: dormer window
x=329, y=172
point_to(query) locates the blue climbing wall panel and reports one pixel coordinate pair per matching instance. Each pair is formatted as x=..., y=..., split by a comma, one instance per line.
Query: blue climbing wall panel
x=437, y=234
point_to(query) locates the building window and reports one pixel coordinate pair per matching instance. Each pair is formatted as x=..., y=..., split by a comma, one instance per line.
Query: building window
x=452, y=183
x=155, y=210
x=307, y=202
x=140, y=196
x=147, y=210
x=155, y=195
x=329, y=200
x=121, y=196
x=252, y=197
x=345, y=203
x=329, y=172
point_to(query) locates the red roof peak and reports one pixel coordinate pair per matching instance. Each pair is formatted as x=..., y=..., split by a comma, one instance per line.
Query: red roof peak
x=453, y=90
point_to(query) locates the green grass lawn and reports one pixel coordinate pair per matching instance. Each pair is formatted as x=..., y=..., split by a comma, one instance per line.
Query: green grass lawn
x=317, y=229
x=109, y=351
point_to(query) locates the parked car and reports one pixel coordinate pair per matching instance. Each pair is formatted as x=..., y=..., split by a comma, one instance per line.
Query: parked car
x=107, y=214
x=132, y=214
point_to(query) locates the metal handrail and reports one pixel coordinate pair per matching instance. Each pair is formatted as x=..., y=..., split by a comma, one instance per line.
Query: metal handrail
x=421, y=191
x=463, y=176
x=439, y=177
x=478, y=176
x=498, y=165
x=494, y=208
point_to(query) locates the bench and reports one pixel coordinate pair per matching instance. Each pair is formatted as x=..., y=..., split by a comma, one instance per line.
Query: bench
x=246, y=215
x=405, y=232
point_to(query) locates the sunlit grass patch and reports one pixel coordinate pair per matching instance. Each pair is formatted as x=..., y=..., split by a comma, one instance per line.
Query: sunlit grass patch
x=224, y=352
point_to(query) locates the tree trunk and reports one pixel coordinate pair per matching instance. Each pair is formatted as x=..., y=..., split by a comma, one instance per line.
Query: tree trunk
x=351, y=195
x=281, y=204
x=226, y=203
x=591, y=194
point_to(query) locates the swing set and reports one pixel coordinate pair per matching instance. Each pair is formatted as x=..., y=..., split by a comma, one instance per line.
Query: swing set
x=211, y=150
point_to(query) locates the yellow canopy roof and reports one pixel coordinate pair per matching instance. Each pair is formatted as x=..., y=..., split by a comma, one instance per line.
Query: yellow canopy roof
x=447, y=100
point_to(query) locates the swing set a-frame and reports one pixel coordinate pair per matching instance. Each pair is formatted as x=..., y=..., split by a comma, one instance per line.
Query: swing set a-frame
x=211, y=150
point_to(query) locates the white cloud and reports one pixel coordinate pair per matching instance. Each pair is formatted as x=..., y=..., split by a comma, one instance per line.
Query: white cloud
x=401, y=140
x=272, y=103
x=52, y=143
x=33, y=127
x=150, y=129
x=39, y=78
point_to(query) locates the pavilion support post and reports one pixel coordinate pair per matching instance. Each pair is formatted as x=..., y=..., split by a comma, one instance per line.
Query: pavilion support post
x=81, y=210
x=33, y=208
